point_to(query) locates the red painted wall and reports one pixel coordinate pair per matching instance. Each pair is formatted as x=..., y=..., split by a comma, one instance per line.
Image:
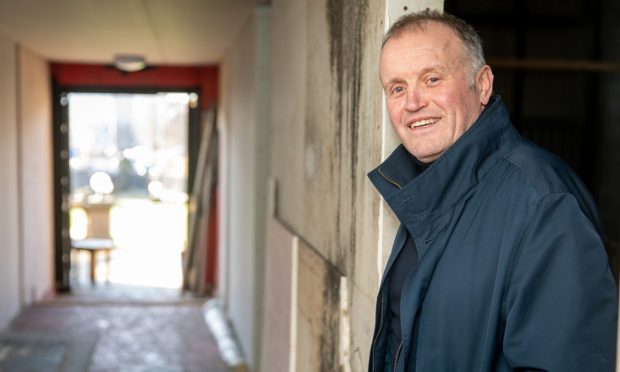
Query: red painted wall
x=106, y=76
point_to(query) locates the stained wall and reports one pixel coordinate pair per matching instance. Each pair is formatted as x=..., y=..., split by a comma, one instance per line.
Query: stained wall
x=329, y=129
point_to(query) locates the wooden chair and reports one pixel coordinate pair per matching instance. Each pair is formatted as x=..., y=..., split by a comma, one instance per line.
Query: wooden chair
x=97, y=239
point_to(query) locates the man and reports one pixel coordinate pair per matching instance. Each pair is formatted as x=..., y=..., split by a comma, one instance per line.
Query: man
x=498, y=264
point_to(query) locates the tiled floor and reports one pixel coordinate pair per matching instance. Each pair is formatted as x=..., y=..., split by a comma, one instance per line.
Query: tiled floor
x=130, y=328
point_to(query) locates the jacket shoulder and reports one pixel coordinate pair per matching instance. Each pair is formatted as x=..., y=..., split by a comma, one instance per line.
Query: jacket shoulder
x=545, y=172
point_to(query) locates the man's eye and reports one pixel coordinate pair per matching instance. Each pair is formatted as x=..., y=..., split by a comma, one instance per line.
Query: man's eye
x=433, y=80
x=397, y=90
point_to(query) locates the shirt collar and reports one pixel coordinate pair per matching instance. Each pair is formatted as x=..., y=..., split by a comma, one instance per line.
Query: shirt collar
x=412, y=193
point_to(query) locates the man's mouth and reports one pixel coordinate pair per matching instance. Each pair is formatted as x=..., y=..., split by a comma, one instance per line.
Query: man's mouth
x=423, y=122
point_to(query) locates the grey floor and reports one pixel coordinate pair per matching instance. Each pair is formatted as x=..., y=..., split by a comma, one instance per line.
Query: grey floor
x=111, y=328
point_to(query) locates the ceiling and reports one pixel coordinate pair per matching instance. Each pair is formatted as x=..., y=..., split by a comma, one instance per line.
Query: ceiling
x=180, y=32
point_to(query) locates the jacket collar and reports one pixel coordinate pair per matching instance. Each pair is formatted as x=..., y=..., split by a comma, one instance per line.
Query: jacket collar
x=416, y=195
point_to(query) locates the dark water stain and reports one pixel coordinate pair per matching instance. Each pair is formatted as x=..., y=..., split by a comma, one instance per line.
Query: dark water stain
x=335, y=15
x=330, y=321
x=335, y=19
x=346, y=20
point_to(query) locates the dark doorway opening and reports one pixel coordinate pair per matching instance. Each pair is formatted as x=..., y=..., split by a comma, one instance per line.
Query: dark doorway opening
x=557, y=67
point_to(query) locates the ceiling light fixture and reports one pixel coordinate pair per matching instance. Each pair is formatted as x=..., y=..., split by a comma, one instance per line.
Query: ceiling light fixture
x=129, y=62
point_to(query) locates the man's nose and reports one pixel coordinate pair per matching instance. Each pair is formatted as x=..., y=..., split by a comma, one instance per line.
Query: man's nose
x=415, y=100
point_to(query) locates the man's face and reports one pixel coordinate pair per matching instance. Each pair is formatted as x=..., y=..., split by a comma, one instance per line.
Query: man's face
x=427, y=83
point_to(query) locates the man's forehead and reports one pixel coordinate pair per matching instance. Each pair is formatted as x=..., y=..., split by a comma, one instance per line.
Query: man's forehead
x=438, y=34
x=435, y=38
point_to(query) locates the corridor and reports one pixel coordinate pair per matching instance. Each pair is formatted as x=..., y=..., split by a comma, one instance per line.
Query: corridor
x=283, y=117
x=111, y=328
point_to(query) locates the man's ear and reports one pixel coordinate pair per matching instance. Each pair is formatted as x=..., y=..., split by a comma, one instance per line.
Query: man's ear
x=484, y=84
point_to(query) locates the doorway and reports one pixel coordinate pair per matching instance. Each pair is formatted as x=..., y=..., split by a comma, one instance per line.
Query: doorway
x=557, y=68
x=125, y=165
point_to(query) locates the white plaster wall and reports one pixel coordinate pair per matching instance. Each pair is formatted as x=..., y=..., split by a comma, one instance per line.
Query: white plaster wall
x=289, y=77
x=9, y=222
x=245, y=84
x=35, y=120
x=241, y=195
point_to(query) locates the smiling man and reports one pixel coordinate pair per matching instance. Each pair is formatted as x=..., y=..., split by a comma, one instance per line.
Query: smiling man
x=499, y=263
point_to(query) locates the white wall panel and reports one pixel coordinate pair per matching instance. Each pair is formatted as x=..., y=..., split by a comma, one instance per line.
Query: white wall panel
x=37, y=219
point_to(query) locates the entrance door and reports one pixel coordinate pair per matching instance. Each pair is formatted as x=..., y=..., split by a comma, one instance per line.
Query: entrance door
x=130, y=153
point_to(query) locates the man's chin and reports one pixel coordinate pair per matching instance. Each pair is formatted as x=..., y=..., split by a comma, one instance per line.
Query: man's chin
x=425, y=156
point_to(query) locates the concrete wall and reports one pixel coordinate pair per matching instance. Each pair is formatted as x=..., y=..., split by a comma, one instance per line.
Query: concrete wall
x=26, y=220
x=245, y=121
x=9, y=214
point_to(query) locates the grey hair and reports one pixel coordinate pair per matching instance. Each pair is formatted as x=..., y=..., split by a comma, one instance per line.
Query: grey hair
x=418, y=21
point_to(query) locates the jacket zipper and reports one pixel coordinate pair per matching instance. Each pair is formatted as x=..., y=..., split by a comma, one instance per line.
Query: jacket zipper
x=397, y=354
x=401, y=339
x=390, y=180
x=377, y=335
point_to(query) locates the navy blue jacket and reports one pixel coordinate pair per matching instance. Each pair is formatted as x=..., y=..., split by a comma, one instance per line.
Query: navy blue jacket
x=512, y=271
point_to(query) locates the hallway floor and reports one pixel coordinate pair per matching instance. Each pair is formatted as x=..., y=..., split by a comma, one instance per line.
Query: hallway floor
x=111, y=328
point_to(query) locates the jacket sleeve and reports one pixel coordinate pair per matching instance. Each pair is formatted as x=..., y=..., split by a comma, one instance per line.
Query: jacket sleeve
x=561, y=300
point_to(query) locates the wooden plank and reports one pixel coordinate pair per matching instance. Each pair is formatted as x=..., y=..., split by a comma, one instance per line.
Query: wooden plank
x=554, y=65
x=318, y=312
x=195, y=254
x=280, y=277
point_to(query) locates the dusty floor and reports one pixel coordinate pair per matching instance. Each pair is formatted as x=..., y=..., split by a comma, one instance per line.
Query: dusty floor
x=111, y=328
x=140, y=321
